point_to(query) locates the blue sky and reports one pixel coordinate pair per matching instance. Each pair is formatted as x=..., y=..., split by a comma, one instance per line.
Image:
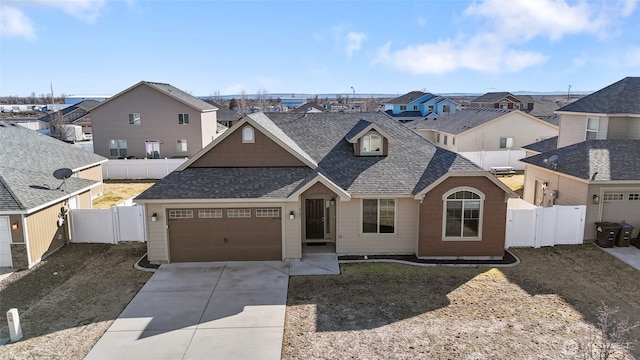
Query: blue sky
x=392, y=47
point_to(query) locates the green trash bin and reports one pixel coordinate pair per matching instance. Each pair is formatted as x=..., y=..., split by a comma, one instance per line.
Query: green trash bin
x=606, y=233
x=624, y=235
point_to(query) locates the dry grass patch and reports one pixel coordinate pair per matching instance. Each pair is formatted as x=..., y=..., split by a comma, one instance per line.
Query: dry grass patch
x=116, y=191
x=514, y=182
x=542, y=308
x=70, y=299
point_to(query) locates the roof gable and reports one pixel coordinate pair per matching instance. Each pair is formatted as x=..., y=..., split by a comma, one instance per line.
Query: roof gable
x=361, y=128
x=168, y=90
x=469, y=119
x=618, y=98
x=410, y=97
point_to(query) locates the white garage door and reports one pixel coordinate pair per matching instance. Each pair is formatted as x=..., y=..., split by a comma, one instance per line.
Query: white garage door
x=620, y=206
x=5, y=240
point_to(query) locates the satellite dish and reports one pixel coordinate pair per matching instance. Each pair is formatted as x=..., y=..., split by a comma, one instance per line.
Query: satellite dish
x=62, y=174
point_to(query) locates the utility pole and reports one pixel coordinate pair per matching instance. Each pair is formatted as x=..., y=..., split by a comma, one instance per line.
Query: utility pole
x=568, y=94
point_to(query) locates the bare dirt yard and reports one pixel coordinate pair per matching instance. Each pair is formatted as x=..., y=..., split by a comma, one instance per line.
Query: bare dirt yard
x=544, y=308
x=514, y=182
x=70, y=299
x=117, y=191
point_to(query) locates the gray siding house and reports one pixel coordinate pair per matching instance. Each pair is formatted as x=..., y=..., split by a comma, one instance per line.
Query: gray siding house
x=153, y=120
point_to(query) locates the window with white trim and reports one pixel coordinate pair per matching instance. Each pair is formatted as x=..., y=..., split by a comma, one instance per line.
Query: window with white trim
x=210, y=214
x=506, y=142
x=181, y=145
x=378, y=216
x=438, y=137
x=180, y=214
x=445, y=139
x=248, y=135
x=371, y=144
x=118, y=148
x=183, y=119
x=134, y=119
x=238, y=213
x=463, y=214
x=592, y=128
x=268, y=213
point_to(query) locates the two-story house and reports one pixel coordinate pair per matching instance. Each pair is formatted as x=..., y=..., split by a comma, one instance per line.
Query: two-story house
x=489, y=137
x=153, y=120
x=597, y=159
x=503, y=100
x=417, y=105
x=277, y=182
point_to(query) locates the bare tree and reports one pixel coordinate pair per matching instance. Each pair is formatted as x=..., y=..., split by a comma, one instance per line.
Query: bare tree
x=58, y=126
x=611, y=336
x=216, y=96
x=243, y=103
x=481, y=143
x=262, y=99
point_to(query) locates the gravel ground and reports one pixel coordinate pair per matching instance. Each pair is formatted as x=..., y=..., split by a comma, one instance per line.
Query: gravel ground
x=68, y=300
x=544, y=308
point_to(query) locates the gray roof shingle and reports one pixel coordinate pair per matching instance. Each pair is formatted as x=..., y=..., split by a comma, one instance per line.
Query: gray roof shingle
x=607, y=159
x=408, y=98
x=181, y=96
x=461, y=121
x=413, y=163
x=543, y=145
x=618, y=98
x=27, y=162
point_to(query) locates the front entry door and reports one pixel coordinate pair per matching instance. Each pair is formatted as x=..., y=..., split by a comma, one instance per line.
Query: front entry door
x=314, y=213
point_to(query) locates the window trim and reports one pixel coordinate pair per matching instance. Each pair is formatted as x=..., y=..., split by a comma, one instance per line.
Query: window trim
x=371, y=152
x=236, y=213
x=184, y=116
x=378, y=233
x=506, y=142
x=132, y=119
x=444, y=214
x=118, y=148
x=596, y=131
x=245, y=132
x=403, y=107
x=179, y=147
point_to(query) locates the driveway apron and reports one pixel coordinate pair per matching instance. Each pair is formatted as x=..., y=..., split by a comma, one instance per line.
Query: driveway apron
x=223, y=310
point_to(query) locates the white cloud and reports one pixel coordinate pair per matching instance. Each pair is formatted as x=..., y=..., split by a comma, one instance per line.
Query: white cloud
x=354, y=42
x=14, y=23
x=507, y=26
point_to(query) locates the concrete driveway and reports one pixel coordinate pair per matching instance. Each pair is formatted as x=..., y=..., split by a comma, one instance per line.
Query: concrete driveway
x=232, y=310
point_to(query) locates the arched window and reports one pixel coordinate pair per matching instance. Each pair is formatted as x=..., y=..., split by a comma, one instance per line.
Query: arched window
x=247, y=134
x=463, y=214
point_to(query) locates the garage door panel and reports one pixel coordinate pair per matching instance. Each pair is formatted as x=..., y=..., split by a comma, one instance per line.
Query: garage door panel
x=622, y=205
x=225, y=239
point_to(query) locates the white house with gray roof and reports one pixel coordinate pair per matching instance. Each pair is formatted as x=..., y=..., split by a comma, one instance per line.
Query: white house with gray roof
x=153, y=120
x=597, y=159
x=33, y=203
x=275, y=184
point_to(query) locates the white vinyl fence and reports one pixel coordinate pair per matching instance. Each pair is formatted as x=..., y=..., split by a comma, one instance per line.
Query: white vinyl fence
x=139, y=168
x=534, y=226
x=110, y=226
x=488, y=159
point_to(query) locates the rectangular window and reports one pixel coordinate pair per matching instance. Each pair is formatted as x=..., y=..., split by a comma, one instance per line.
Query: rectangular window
x=181, y=145
x=238, y=213
x=438, y=137
x=445, y=139
x=268, y=213
x=415, y=107
x=134, y=119
x=210, y=214
x=430, y=107
x=592, y=128
x=403, y=107
x=378, y=216
x=371, y=144
x=634, y=196
x=613, y=196
x=118, y=148
x=453, y=140
x=506, y=143
x=180, y=214
x=183, y=119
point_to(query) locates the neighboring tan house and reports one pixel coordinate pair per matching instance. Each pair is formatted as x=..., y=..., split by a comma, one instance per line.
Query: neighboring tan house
x=503, y=100
x=276, y=182
x=76, y=114
x=152, y=120
x=481, y=130
x=32, y=200
x=417, y=105
x=597, y=160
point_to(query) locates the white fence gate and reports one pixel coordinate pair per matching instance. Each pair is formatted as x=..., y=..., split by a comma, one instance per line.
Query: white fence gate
x=534, y=226
x=110, y=226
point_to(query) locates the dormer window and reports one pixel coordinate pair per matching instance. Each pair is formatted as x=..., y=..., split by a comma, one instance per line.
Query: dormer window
x=247, y=135
x=371, y=144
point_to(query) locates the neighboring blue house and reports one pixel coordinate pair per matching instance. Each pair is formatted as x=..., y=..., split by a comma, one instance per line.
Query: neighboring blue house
x=417, y=105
